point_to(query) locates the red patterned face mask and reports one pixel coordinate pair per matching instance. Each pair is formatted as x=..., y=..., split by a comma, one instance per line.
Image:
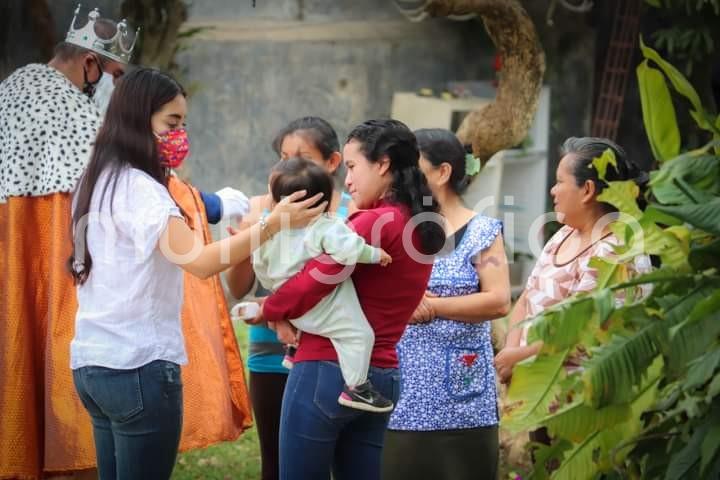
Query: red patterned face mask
x=173, y=146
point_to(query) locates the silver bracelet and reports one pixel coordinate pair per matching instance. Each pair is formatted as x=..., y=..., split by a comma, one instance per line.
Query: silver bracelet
x=263, y=224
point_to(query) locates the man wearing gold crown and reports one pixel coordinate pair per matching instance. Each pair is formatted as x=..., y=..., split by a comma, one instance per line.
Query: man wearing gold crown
x=49, y=116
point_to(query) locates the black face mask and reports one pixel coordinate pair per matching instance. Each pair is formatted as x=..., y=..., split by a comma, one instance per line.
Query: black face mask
x=88, y=87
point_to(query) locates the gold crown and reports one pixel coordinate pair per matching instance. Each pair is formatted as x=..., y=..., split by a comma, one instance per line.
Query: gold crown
x=118, y=47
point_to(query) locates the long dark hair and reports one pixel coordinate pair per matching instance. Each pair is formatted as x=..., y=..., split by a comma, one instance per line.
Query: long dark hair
x=293, y=174
x=586, y=149
x=391, y=138
x=125, y=140
x=440, y=146
x=313, y=129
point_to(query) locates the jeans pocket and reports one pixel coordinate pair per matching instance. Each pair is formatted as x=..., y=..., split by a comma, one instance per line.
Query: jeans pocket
x=327, y=390
x=117, y=393
x=465, y=372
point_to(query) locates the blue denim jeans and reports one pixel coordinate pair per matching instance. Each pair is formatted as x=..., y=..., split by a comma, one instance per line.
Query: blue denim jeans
x=136, y=416
x=318, y=435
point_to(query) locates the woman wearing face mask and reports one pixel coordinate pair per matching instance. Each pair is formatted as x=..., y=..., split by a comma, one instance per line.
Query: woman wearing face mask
x=131, y=244
x=216, y=386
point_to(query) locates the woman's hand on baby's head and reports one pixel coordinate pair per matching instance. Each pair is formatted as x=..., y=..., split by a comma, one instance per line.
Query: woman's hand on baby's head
x=291, y=212
x=385, y=258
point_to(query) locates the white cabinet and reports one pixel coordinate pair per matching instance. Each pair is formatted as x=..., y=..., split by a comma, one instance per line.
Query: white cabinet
x=417, y=112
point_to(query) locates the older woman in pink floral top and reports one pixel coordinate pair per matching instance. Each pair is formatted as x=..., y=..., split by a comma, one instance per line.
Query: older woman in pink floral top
x=563, y=267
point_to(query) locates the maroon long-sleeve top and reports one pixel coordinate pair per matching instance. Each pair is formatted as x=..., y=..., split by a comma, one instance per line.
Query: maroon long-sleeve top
x=388, y=295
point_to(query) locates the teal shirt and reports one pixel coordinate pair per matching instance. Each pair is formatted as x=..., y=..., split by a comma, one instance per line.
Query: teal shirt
x=266, y=352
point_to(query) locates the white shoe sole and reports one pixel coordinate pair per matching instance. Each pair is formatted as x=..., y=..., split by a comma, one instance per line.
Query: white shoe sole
x=364, y=406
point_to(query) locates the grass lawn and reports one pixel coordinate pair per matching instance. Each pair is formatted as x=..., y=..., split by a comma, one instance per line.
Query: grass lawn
x=239, y=460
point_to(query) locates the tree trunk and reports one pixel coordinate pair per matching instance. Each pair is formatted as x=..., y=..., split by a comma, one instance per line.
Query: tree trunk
x=505, y=122
x=42, y=26
x=27, y=34
x=160, y=22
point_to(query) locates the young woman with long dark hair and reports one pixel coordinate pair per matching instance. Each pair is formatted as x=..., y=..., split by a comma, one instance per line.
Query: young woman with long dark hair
x=131, y=245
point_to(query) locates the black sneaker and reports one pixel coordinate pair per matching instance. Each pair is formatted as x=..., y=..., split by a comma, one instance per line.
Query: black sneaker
x=289, y=359
x=365, y=397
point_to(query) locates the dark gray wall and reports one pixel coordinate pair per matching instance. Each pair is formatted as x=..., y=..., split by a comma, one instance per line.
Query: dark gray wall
x=258, y=68
x=338, y=59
